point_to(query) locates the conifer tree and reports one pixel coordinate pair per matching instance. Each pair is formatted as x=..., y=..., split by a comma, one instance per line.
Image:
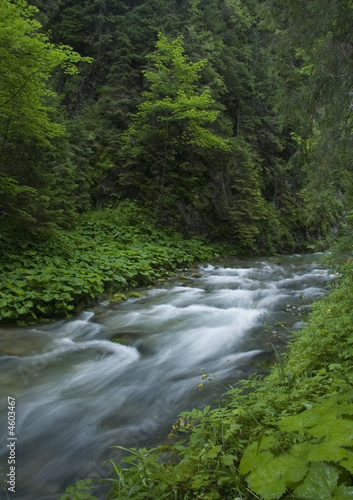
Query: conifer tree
x=174, y=127
x=315, y=55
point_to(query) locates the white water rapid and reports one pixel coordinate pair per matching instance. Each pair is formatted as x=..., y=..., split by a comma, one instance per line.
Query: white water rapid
x=77, y=392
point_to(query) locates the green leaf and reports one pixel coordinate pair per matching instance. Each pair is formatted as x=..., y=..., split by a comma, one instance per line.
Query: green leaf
x=340, y=431
x=251, y=461
x=79, y=491
x=347, y=463
x=228, y=459
x=301, y=422
x=343, y=492
x=213, y=452
x=327, y=451
x=301, y=450
x=42, y=309
x=264, y=482
x=271, y=479
x=252, y=457
x=319, y=484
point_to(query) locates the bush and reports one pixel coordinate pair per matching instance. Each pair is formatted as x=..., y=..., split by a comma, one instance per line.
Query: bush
x=109, y=251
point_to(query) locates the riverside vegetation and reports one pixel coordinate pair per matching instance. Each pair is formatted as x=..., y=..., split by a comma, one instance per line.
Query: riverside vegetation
x=126, y=124
x=110, y=250
x=287, y=435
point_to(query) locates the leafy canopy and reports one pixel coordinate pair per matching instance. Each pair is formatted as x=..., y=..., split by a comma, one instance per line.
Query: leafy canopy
x=175, y=94
x=176, y=100
x=28, y=59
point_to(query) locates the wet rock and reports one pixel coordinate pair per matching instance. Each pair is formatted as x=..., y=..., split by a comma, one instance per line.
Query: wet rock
x=120, y=340
x=11, y=352
x=118, y=297
x=170, y=458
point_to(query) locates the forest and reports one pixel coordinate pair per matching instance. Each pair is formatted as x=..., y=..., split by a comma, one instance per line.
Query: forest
x=226, y=122
x=138, y=137
x=224, y=119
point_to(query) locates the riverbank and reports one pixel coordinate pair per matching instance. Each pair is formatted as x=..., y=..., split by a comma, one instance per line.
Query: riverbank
x=285, y=436
x=110, y=251
x=120, y=374
x=288, y=435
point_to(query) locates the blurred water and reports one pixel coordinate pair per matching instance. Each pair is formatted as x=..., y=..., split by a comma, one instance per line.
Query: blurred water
x=77, y=392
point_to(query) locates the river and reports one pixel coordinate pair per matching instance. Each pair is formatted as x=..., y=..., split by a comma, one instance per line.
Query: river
x=77, y=392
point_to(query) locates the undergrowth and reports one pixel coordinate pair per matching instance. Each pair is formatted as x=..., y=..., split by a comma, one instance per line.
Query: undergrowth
x=286, y=436
x=109, y=251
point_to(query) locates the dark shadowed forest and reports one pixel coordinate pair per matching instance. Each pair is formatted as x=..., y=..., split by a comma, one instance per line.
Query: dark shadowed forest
x=139, y=138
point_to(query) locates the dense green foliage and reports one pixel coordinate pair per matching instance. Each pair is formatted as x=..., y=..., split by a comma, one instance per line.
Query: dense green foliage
x=31, y=189
x=316, y=50
x=230, y=119
x=110, y=250
x=190, y=107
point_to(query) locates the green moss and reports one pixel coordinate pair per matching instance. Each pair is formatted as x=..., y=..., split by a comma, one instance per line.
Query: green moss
x=119, y=340
x=118, y=297
x=135, y=294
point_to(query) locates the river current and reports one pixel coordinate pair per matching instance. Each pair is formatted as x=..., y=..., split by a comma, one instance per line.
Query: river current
x=78, y=392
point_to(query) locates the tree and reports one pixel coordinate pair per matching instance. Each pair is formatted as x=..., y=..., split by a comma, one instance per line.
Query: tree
x=175, y=125
x=29, y=116
x=28, y=60
x=314, y=47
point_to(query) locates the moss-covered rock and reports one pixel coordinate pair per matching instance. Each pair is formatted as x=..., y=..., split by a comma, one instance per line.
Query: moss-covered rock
x=118, y=297
x=119, y=340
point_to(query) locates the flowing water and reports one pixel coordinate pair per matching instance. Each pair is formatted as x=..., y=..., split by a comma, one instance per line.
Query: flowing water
x=77, y=392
